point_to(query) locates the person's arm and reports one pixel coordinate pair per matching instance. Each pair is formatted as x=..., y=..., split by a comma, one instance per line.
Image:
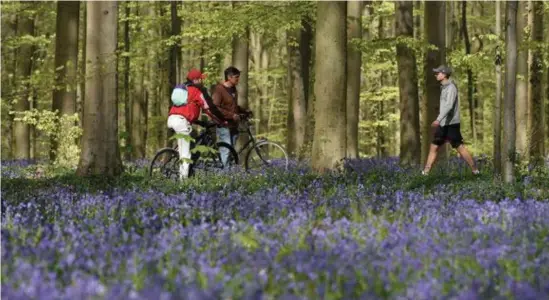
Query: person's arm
x=448, y=103
x=217, y=100
x=213, y=109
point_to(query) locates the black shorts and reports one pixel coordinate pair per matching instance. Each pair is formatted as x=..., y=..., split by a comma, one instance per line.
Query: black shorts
x=449, y=133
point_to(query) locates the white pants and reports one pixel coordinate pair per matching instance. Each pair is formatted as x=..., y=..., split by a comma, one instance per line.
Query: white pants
x=181, y=126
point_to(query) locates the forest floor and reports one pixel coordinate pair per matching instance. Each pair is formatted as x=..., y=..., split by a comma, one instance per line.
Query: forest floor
x=375, y=230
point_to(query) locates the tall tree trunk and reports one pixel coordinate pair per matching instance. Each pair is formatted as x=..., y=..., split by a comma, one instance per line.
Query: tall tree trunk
x=354, y=64
x=307, y=54
x=175, y=54
x=381, y=145
x=100, y=150
x=410, y=146
x=417, y=21
x=509, y=130
x=240, y=61
x=435, y=35
x=297, y=104
x=497, y=100
x=521, y=104
x=66, y=61
x=139, y=115
x=330, y=122
x=547, y=107
x=536, y=79
x=9, y=30
x=127, y=69
x=470, y=84
x=81, y=92
x=21, y=131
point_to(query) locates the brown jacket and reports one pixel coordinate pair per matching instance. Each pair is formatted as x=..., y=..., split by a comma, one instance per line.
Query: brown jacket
x=226, y=103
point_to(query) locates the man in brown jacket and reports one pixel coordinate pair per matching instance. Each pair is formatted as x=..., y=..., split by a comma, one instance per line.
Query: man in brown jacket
x=225, y=97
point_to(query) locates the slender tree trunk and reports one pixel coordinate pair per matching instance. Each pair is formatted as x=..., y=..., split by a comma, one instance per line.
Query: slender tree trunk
x=509, y=130
x=536, y=70
x=497, y=100
x=470, y=84
x=434, y=31
x=417, y=21
x=127, y=69
x=521, y=104
x=139, y=108
x=100, y=149
x=330, y=122
x=410, y=146
x=66, y=61
x=240, y=61
x=9, y=30
x=21, y=131
x=381, y=146
x=264, y=101
x=354, y=64
x=307, y=53
x=81, y=92
x=297, y=104
x=175, y=54
x=547, y=107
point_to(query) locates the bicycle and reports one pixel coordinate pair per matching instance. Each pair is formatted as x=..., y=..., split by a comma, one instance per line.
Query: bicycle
x=166, y=160
x=260, y=151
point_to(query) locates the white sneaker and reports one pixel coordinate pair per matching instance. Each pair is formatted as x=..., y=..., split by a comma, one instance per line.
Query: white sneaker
x=424, y=173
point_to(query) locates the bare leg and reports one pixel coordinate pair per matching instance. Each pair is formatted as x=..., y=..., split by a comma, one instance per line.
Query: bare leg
x=467, y=157
x=433, y=151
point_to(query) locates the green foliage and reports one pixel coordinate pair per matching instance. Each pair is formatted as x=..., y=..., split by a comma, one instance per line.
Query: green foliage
x=62, y=129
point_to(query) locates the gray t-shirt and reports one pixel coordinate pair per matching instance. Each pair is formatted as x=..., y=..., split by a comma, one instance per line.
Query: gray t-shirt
x=449, y=104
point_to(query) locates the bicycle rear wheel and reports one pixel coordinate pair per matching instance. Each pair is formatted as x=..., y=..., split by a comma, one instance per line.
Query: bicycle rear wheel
x=210, y=162
x=266, y=154
x=165, y=164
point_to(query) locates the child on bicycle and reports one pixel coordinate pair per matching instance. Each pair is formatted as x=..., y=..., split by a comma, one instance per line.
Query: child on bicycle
x=181, y=118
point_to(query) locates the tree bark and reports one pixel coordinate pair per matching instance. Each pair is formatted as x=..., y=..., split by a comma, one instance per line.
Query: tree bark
x=127, y=69
x=521, y=100
x=509, y=130
x=297, y=104
x=100, y=149
x=536, y=70
x=66, y=62
x=470, y=84
x=354, y=64
x=307, y=46
x=410, y=146
x=330, y=122
x=497, y=100
x=240, y=61
x=435, y=35
x=21, y=131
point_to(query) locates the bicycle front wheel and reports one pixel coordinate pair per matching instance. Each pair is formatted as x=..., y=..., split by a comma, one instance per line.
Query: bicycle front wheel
x=211, y=161
x=266, y=154
x=165, y=164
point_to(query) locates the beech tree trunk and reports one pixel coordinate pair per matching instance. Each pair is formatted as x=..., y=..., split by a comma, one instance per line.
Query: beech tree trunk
x=297, y=104
x=100, y=149
x=66, y=61
x=521, y=100
x=509, y=129
x=354, y=64
x=497, y=100
x=470, y=83
x=21, y=131
x=537, y=115
x=240, y=61
x=330, y=122
x=410, y=145
x=435, y=35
